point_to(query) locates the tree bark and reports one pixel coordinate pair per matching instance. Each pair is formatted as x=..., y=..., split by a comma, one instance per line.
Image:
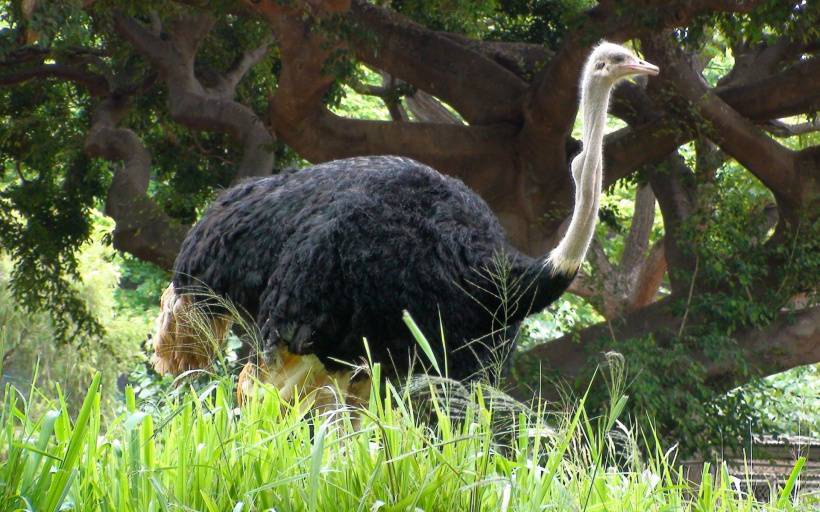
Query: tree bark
x=194, y=105
x=792, y=339
x=142, y=227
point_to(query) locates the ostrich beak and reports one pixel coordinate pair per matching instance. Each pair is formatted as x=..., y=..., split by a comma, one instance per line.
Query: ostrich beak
x=641, y=67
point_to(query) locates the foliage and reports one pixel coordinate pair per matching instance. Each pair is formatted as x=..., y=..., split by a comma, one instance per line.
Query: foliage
x=27, y=339
x=766, y=22
x=570, y=313
x=788, y=402
x=529, y=21
x=469, y=17
x=359, y=106
x=729, y=241
x=45, y=207
x=140, y=287
x=49, y=189
x=198, y=452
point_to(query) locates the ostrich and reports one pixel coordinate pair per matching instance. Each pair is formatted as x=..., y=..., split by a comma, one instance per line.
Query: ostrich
x=333, y=254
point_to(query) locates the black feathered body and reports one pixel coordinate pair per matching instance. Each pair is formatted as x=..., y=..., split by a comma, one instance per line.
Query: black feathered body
x=333, y=253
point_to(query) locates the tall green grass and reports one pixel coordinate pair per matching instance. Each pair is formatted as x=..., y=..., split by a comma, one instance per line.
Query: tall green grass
x=199, y=452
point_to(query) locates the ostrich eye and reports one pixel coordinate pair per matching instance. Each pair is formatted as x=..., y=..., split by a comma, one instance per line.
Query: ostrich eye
x=600, y=65
x=618, y=59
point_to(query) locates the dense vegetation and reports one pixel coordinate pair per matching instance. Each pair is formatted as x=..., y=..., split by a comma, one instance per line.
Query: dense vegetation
x=193, y=450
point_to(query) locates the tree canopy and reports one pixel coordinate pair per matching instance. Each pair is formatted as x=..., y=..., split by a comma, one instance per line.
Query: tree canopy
x=147, y=109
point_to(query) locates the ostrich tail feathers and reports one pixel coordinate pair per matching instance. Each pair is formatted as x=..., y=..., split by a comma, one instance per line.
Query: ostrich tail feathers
x=303, y=378
x=186, y=338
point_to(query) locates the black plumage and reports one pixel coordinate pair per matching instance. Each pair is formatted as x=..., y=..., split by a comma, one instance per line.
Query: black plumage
x=333, y=253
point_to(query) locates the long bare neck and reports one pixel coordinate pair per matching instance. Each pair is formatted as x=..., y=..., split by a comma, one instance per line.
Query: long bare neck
x=541, y=281
x=587, y=173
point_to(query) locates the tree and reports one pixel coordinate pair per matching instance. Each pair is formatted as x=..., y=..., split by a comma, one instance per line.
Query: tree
x=138, y=105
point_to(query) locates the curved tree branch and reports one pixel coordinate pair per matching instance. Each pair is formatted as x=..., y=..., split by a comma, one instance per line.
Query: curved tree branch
x=793, y=91
x=782, y=129
x=615, y=289
x=771, y=162
x=428, y=109
x=249, y=59
x=674, y=186
x=94, y=83
x=649, y=279
x=761, y=60
x=480, y=89
x=458, y=150
x=477, y=86
x=522, y=59
x=142, y=228
x=474, y=153
x=792, y=339
x=192, y=104
x=554, y=95
x=637, y=240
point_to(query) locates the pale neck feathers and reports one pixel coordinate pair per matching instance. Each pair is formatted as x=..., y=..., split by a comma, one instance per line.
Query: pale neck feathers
x=587, y=173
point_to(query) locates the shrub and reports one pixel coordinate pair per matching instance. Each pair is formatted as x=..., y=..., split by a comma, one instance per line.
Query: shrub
x=32, y=352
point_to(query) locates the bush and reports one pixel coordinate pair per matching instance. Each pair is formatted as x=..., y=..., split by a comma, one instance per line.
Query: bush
x=32, y=352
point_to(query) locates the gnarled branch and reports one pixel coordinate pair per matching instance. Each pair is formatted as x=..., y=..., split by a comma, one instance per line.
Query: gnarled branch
x=142, y=228
x=632, y=282
x=674, y=186
x=736, y=135
x=782, y=129
x=474, y=153
x=479, y=88
x=94, y=83
x=792, y=339
x=554, y=95
x=793, y=91
x=194, y=105
x=249, y=59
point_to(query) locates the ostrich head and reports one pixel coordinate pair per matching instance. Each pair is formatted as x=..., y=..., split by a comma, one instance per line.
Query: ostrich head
x=607, y=64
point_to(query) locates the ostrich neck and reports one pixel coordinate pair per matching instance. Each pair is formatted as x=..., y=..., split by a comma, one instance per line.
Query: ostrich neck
x=587, y=173
x=544, y=279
